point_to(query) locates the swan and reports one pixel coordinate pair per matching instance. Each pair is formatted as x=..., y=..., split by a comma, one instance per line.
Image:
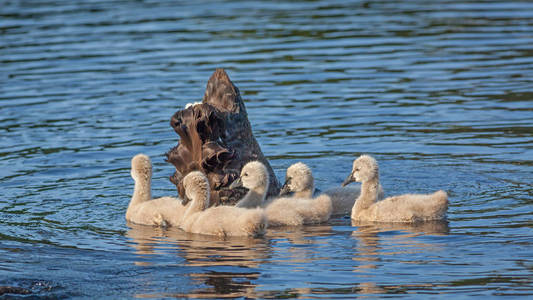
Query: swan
x=299, y=180
x=165, y=211
x=220, y=220
x=408, y=208
x=283, y=211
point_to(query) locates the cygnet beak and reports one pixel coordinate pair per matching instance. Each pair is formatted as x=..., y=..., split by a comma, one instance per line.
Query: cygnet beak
x=285, y=189
x=348, y=180
x=236, y=183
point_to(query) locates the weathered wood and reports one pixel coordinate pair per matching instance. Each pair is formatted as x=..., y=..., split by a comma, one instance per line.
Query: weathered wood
x=216, y=138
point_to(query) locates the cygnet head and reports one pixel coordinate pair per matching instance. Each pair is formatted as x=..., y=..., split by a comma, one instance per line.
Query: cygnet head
x=365, y=168
x=196, y=184
x=254, y=175
x=141, y=167
x=298, y=178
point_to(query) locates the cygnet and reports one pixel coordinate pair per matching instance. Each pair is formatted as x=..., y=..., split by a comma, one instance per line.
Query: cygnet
x=284, y=211
x=299, y=180
x=220, y=220
x=254, y=177
x=165, y=211
x=408, y=208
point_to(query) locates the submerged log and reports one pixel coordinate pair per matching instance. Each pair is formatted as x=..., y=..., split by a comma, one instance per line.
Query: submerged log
x=216, y=138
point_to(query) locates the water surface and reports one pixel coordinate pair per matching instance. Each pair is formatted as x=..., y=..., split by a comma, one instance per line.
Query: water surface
x=440, y=93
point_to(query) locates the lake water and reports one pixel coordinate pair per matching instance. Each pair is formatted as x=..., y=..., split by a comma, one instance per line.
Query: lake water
x=440, y=92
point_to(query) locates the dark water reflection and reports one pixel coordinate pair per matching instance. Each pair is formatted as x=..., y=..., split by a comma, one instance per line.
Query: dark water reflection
x=223, y=266
x=237, y=267
x=439, y=92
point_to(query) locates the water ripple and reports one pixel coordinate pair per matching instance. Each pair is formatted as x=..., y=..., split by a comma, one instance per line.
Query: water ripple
x=439, y=92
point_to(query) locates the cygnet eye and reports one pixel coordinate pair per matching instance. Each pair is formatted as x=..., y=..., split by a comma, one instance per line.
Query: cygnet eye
x=245, y=174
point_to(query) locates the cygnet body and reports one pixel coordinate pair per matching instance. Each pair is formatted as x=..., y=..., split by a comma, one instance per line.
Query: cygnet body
x=408, y=208
x=300, y=181
x=284, y=211
x=219, y=220
x=165, y=211
x=291, y=211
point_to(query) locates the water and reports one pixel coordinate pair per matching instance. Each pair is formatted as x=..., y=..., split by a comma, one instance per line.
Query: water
x=440, y=93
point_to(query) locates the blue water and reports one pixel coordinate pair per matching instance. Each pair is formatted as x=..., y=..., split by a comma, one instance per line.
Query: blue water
x=440, y=92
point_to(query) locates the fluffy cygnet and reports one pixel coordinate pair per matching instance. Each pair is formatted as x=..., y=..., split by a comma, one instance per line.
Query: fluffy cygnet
x=219, y=220
x=408, y=208
x=165, y=211
x=300, y=181
x=254, y=177
x=281, y=211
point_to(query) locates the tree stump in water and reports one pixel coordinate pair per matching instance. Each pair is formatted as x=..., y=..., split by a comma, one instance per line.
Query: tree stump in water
x=216, y=138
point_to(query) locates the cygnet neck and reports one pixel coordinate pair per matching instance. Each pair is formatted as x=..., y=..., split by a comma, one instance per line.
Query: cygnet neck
x=254, y=198
x=369, y=194
x=142, y=190
x=306, y=193
x=198, y=203
x=261, y=190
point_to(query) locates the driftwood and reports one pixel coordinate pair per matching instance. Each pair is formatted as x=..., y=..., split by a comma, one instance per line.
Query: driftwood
x=216, y=138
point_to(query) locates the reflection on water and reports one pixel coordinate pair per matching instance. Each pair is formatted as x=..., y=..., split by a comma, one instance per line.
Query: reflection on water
x=370, y=254
x=228, y=265
x=233, y=267
x=438, y=91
